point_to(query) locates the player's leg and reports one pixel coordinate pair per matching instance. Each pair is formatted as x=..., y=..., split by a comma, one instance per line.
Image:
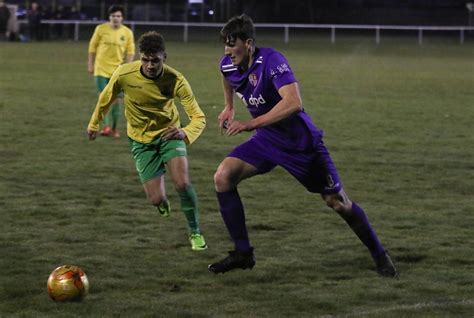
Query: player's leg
x=115, y=116
x=245, y=161
x=156, y=194
x=178, y=169
x=253, y=157
x=150, y=168
x=174, y=154
x=356, y=218
x=229, y=174
x=317, y=172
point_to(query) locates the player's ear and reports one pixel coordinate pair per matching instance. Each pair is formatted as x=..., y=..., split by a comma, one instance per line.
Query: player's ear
x=249, y=42
x=164, y=56
x=248, y=45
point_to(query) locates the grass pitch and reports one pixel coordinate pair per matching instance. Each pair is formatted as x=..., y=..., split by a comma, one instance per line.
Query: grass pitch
x=398, y=122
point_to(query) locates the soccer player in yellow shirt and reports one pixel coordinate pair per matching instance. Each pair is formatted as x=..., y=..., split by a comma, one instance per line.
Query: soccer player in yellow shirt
x=157, y=138
x=107, y=48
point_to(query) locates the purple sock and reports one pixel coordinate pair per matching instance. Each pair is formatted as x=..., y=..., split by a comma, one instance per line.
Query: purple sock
x=232, y=212
x=359, y=223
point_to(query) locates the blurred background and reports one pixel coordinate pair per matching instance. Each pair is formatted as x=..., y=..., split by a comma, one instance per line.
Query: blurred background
x=424, y=12
x=48, y=19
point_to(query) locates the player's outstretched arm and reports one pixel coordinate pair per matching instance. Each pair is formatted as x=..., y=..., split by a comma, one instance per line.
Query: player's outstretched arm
x=106, y=98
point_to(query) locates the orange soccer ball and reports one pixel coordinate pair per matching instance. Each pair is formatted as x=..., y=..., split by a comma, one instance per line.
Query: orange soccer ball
x=68, y=283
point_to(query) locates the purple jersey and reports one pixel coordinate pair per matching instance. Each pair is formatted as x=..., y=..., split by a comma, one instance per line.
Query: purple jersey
x=258, y=88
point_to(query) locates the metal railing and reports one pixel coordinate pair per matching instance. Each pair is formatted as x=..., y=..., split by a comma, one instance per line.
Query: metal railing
x=286, y=28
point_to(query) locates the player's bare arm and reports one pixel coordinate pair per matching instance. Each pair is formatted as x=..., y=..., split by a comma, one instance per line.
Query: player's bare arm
x=290, y=103
x=226, y=117
x=90, y=63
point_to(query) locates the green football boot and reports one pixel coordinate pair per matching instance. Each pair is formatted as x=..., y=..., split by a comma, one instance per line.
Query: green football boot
x=197, y=242
x=164, y=208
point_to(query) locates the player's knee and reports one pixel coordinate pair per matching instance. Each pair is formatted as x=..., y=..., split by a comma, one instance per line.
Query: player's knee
x=181, y=185
x=223, y=180
x=338, y=205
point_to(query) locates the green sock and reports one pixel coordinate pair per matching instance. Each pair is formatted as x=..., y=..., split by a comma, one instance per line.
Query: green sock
x=189, y=206
x=106, y=120
x=114, y=114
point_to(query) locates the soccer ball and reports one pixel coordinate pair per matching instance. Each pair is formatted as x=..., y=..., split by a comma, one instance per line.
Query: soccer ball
x=68, y=283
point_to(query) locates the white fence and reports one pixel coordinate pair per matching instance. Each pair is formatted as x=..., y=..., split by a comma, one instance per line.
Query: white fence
x=285, y=27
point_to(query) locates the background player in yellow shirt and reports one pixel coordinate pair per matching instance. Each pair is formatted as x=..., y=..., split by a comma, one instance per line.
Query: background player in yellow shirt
x=110, y=44
x=157, y=138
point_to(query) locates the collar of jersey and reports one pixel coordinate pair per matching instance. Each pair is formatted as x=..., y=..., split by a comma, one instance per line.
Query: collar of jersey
x=255, y=58
x=154, y=78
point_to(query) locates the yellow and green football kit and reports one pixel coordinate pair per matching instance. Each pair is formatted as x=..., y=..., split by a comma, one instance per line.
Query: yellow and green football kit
x=149, y=103
x=150, y=110
x=110, y=46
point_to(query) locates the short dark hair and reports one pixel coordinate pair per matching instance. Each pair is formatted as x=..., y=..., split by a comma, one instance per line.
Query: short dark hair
x=114, y=8
x=151, y=42
x=238, y=27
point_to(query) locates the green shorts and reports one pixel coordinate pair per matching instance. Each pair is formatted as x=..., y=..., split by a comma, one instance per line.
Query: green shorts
x=150, y=158
x=101, y=82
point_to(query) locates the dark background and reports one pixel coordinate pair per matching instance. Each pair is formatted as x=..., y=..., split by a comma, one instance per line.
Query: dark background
x=391, y=12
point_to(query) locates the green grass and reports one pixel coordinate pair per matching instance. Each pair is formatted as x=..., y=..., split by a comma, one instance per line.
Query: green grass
x=398, y=122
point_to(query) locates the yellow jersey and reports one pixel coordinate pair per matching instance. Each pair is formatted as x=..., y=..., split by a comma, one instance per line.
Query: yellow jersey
x=110, y=45
x=149, y=103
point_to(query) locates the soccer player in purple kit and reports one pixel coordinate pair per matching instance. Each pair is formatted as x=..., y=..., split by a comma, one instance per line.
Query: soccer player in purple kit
x=284, y=135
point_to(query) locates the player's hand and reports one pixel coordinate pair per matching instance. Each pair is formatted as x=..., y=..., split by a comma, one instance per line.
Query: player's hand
x=173, y=133
x=225, y=118
x=92, y=134
x=90, y=68
x=237, y=127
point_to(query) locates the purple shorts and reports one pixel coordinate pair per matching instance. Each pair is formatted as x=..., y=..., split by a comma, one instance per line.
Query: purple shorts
x=313, y=169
